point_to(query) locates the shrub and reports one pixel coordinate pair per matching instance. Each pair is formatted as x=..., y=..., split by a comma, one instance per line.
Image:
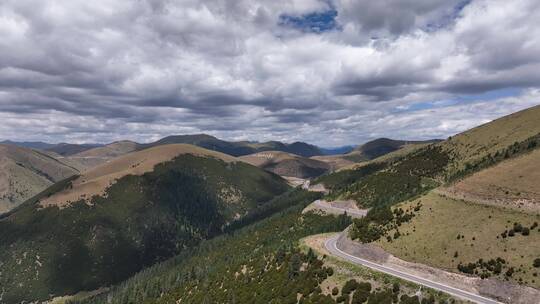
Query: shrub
x=525, y=231
x=335, y=291
x=430, y=300
x=536, y=263
x=409, y=300
x=382, y=297
x=343, y=298
x=359, y=297
x=395, y=287
x=349, y=286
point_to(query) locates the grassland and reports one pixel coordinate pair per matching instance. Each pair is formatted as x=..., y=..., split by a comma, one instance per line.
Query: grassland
x=513, y=183
x=446, y=232
x=477, y=143
x=26, y=172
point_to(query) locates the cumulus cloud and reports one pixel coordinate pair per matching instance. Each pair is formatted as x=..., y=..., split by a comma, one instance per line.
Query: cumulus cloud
x=107, y=70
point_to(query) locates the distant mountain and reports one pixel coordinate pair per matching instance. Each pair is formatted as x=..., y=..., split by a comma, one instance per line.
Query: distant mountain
x=205, y=141
x=25, y=172
x=337, y=150
x=96, y=156
x=66, y=149
x=382, y=146
x=369, y=151
x=302, y=149
x=110, y=222
x=287, y=164
x=29, y=144
x=237, y=148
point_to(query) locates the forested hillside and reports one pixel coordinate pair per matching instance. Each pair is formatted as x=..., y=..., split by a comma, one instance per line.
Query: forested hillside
x=63, y=247
x=260, y=263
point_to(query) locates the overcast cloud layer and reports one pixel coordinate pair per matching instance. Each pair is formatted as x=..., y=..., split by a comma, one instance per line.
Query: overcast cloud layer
x=327, y=72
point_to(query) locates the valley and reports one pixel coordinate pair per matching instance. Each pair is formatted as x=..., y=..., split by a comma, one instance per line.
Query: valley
x=432, y=214
x=269, y=152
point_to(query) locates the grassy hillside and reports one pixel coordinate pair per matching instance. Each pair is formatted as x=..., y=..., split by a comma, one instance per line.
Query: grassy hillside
x=513, y=183
x=397, y=179
x=485, y=141
x=66, y=149
x=88, y=159
x=145, y=213
x=28, y=144
x=287, y=164
x=25, y=172
x=454, y=234
x=470, y=228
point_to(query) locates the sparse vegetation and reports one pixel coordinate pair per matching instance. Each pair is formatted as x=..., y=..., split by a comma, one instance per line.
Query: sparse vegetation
x=472, y=244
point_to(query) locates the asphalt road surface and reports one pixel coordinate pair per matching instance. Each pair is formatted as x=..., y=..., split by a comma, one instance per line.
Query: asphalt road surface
x=331, y=246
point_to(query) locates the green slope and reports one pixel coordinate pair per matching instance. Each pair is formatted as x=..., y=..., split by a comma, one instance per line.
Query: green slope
x=390, y=181
x=261, y=263
x=140, y=220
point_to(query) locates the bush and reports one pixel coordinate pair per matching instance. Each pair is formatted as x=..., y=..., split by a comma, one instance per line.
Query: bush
x=343, y=298
x=409, y=300
x=536, y=263
x=349, y=286
x=360, y=296
x=525, y=231
x=382, y=297
x=395, y=287
x=335, y=291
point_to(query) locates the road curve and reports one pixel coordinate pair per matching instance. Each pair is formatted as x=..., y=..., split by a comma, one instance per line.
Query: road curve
x=331, y=246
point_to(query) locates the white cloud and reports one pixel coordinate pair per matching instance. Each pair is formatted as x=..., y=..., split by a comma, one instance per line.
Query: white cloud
x=117, y=69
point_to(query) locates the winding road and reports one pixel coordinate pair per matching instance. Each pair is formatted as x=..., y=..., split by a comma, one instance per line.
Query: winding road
x=332, y=247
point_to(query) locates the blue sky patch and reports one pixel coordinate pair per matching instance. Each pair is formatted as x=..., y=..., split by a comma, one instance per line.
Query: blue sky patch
x=463, y=99
x=317, y=22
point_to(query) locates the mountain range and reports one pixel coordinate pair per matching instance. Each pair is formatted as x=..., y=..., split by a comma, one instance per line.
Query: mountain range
x=180, y=221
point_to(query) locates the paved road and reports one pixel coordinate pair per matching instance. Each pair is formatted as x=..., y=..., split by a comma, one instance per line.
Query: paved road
x=352, y=212
x=331, y=246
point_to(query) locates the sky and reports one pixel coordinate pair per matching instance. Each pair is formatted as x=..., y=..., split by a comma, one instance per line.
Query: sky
x=327, y=72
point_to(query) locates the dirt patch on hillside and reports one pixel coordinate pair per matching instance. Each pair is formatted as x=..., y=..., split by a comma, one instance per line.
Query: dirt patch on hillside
x=514, y=184
x=295, y=181
x=96, y=181
x=336, y=207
